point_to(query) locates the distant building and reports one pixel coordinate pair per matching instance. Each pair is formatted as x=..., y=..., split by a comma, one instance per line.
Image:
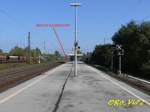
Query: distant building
x=71, y=56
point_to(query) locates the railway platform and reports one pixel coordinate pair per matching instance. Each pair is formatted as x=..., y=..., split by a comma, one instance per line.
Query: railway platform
x=59, y=91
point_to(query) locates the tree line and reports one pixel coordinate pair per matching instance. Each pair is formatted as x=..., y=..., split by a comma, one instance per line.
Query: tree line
x=135, y=40
x=19, y=51
x=36, y=52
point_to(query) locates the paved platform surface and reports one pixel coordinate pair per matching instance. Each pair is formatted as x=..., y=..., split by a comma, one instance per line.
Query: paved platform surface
x=91, y=91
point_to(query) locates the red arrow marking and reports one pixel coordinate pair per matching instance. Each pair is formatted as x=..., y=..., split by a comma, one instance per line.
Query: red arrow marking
x=60, y=44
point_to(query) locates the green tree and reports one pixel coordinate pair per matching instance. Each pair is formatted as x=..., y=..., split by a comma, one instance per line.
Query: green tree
x=50, y=57
x=1, y=51
x=135, y=40
x=35, y=52
x=102, y=55
x=17, y=51
x=57, y=55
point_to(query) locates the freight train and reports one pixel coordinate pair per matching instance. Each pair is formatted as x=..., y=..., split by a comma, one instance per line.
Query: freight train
x=17, y=59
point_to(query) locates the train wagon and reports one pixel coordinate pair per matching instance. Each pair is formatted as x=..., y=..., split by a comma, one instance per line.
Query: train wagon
x=3, y=59
x=13, y=59
x=17, y=59
x=22, y=58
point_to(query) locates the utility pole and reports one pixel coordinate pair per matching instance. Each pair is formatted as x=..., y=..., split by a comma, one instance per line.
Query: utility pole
x=104, y=40
x=76, y=5
x=29, y=46
x=39, y=61
x=44, y=47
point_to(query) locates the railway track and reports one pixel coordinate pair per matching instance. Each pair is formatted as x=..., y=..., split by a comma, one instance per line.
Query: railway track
x=140, y=83
x=137, y=83
x=62, y=91
x=134, y=82
x=12, y=77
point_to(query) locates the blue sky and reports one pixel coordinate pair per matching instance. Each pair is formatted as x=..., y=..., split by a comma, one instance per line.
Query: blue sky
x=98, y=19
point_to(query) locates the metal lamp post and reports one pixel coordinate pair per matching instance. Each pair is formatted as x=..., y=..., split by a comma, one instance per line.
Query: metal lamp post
x=76, y=5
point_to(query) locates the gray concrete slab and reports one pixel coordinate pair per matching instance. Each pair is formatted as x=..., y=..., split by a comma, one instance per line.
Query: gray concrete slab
x=90, y=91
x=39, y=97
